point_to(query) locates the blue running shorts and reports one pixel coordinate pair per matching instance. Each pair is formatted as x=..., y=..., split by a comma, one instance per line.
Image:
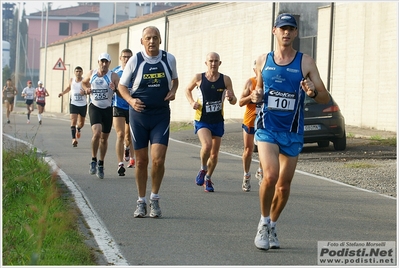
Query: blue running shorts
x=248, y=130
x=149, y=128
x=290, y=143
x=216, y=129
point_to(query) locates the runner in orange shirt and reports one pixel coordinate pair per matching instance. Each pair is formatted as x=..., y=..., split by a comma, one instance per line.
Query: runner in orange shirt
x=248, y=125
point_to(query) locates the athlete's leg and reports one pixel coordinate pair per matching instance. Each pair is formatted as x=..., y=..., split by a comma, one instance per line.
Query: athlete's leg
x=158, y=154
x=141, y=170
x=119, y=125
x=269, y=157
x=282, y=190
x=95, y=139
x=205, y=137
x=248, y=150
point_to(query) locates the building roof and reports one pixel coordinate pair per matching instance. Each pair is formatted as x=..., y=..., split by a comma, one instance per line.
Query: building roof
x=76, y=11
x=127, y=23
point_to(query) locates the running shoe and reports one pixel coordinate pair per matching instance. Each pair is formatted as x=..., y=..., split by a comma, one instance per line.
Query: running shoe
x=273, y=240
x=28, y=122
x=155, y=210
x=199, y=180
x=40, y=122
x=100, y=172
x=141, y=210
x=121, y=170
x=78, y=134
x=208, y=186
x=246, y=184
x=127, y=155
x=259, y=176
x=8, y=121
x=131, y=163
x=262, y=236
x=74, y=143
x=93, y=167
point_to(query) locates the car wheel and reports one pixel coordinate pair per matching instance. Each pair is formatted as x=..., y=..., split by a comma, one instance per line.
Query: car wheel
x=323, y=144
x=340, y=143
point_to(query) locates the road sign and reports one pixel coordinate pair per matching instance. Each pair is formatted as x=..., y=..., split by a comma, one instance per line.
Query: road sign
x=59, y=65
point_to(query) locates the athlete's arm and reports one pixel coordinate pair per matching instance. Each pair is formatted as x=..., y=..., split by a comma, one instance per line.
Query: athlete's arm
x=257, y=94
x=67, y=89
x=312, y=84
x=230, y=96
x=246, y=94
x=86, y=82
x=195, y=82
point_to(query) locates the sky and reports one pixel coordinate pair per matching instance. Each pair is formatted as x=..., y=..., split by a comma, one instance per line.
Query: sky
x=36, y=6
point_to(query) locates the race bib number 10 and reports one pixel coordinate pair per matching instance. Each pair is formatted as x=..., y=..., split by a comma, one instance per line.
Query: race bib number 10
x=278, y=100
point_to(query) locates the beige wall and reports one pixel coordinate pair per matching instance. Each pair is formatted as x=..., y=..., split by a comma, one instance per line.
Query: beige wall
x=364, y=62
x=363, y=80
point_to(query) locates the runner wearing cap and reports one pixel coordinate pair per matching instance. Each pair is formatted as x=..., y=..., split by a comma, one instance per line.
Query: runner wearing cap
x=101, y=84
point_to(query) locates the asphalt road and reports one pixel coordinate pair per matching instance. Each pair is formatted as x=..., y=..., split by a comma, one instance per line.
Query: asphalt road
x=199, y=228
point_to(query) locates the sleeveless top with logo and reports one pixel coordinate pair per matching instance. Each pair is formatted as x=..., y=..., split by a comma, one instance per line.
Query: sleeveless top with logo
x=101, y=93
x=210, y=97
x=76, y=98
x=40, y=95
x=116, y=100
x=151, y=82
x=283, y=98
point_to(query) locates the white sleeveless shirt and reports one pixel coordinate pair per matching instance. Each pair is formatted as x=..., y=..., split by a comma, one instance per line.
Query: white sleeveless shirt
x=101, y=93
x=76, y=98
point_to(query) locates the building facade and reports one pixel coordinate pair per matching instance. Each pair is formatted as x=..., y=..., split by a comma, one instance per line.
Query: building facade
x=362, y=81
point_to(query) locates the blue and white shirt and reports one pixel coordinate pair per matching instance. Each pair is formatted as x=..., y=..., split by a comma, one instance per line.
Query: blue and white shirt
x=283, y=99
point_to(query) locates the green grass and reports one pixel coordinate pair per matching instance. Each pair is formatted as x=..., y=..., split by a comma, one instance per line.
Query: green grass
x=377, y=140
x=178, y=126
x=39, y=223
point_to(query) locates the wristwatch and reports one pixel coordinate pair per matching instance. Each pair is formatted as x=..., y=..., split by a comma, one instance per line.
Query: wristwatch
x=315, y=94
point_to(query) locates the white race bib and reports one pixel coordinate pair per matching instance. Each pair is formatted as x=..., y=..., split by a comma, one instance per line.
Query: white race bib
x=213, y=106
x=278, y=100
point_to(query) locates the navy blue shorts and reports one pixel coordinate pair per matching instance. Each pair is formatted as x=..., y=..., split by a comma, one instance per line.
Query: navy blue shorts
x=147, y=128
x=248, y=130
x=216, y=129
x=119, y=112
x=290, y=143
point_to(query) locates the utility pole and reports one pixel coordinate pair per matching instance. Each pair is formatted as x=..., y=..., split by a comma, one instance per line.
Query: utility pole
x=18, y=52
x=45, y=45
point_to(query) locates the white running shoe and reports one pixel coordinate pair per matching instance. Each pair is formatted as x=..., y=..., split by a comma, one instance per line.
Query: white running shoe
x=246, y=184
x=273, y=240
x=262, y=236
x=259, y=176
x=155, y=210
x=141, y=210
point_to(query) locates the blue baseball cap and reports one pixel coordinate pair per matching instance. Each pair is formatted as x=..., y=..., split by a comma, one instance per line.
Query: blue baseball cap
x=285, y=19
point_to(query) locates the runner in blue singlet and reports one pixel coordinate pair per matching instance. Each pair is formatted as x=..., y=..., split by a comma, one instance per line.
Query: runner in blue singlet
x=284, y=76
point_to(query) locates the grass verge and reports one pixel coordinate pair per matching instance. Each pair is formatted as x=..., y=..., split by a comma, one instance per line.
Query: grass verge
x=39, y=224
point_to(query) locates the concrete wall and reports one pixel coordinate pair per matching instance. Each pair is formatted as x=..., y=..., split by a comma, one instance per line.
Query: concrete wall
x=364, y=62
x=362, y=79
